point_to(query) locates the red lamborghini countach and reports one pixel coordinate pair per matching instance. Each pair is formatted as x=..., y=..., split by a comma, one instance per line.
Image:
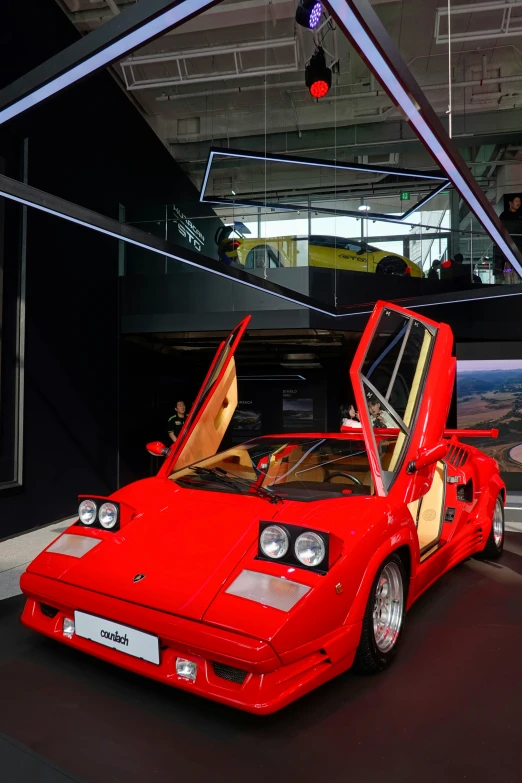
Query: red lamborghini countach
x=253, y=575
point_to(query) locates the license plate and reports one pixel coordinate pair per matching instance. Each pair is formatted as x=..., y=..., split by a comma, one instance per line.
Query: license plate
x=118, y=637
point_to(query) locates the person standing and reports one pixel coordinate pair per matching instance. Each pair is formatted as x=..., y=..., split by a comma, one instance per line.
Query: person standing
x=380, y=418
x=434, y=272
x=176, y=422
x=511, y=219
x=350, y=417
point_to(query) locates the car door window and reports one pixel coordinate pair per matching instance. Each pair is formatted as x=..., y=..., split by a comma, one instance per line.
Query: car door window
x=393, y=377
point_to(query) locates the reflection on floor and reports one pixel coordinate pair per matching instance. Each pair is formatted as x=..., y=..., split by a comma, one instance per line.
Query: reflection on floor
x=450, y=706
x=16, y=553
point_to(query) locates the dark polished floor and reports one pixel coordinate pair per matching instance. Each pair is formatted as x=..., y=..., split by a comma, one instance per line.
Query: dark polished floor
x=450, y=709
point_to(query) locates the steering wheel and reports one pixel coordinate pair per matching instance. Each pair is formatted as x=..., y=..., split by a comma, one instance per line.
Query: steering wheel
x=346, y=475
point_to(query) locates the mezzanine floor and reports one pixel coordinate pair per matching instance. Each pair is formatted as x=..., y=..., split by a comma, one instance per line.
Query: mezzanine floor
x=449, y=709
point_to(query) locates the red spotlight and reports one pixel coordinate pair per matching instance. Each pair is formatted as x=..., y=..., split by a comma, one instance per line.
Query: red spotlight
x=318, y=77
x=446, y=264
x=318, y=89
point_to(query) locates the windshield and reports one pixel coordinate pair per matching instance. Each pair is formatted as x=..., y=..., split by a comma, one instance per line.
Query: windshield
x=293, y=468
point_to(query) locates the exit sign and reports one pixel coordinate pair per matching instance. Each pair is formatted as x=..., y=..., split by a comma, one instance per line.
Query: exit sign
x=405, y=196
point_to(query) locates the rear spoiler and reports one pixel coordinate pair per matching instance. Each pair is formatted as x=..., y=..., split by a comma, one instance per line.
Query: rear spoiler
x=382, y=433
x=471, y=433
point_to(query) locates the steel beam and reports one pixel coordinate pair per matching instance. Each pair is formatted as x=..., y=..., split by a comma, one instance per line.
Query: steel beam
x=123, y=34
x=233, y=154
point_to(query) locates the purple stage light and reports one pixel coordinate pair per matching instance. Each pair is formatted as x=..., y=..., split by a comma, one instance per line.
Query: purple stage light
x=315, y=15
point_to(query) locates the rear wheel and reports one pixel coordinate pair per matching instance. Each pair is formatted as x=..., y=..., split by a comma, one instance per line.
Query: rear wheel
x=384, y=618
x=391, y=265
x=495, y=543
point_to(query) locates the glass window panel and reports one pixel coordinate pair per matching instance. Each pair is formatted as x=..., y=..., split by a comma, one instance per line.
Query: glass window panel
x=393, y=378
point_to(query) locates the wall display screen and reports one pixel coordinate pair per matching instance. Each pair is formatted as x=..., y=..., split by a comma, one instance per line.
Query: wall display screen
x=303, y=410
x=489, y=395
x=246, y=421
x=297, y=411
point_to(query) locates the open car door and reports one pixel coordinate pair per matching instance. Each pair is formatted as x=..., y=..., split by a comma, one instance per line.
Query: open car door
x=212, y=411
x=403, y=375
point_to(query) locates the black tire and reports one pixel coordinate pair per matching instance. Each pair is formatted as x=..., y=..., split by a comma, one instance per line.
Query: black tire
x=370, y=658
x=391, y=265
x=257, y=258
x=494, y=546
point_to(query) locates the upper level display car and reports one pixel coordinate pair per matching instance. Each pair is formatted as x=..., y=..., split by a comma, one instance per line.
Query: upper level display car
x=329, y=252
x=253, y=575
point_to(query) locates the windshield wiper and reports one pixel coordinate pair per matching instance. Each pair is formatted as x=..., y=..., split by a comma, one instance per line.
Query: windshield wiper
x=237, y=482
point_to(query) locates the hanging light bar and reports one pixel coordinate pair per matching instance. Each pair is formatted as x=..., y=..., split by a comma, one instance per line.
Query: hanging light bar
x=308, y=13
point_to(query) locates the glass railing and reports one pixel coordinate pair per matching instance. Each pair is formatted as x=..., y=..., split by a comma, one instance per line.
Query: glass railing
x=339, y=256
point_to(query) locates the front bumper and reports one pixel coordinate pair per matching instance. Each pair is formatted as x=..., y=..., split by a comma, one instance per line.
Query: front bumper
x=267, y=686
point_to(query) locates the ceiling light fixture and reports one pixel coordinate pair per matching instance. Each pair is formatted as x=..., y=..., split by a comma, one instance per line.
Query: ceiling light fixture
x=308, y=13
x=364, y=207
x=318, y=77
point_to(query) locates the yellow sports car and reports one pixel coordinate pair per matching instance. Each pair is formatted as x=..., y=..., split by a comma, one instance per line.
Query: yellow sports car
x=316, y=250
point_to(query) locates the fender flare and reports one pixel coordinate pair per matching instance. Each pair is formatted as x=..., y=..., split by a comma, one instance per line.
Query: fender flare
x=401, y=538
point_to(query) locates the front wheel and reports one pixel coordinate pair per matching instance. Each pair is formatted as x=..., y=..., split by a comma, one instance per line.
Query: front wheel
x=384, y=618
x=495, y=543
x=392, y=265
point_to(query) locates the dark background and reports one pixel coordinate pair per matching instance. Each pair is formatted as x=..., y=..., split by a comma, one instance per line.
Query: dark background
x=88, y=145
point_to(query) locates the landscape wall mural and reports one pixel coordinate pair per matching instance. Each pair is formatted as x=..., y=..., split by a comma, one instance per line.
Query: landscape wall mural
x=489, y=394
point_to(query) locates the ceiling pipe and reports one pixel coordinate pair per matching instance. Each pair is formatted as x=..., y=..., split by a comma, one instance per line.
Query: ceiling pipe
x=236, y=90
x=98, y=14
x=351, y=96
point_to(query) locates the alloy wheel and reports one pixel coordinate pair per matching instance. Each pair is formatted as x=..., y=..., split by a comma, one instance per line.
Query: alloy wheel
x=498, y=524
x=389, y=607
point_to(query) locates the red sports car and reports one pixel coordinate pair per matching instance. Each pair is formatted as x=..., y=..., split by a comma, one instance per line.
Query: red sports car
x=253, y=575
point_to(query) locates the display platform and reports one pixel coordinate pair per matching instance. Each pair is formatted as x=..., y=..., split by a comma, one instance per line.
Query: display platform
x=449, y=708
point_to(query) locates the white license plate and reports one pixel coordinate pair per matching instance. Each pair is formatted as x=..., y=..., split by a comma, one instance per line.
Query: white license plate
x=117, y=636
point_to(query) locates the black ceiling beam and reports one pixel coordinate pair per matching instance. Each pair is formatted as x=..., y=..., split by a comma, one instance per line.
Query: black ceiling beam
x=131, y=29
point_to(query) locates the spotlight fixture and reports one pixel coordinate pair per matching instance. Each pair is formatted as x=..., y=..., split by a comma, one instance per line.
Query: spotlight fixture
x=318, y=77
x=364, y=207
x=308, y=13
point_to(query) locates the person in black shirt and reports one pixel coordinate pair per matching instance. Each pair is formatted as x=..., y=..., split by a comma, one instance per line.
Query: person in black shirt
x=511, y=219
x=512, y=215
x=177, y=421
x=434, y=271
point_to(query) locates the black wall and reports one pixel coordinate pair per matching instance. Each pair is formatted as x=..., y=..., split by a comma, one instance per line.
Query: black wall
x=89, y=145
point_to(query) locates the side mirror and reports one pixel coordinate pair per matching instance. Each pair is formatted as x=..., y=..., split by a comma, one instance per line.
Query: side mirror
x=157, y=449
x=428, y=456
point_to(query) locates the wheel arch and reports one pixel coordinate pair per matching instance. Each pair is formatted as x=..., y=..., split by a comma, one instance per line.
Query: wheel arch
x=401, y=544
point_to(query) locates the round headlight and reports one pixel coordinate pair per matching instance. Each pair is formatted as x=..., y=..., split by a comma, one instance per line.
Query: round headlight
x=108, y=515
x=87, y=512
x=274, y=541
x=310, y=549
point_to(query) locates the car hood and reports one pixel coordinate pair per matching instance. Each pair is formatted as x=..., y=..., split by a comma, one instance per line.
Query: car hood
x=185, y=559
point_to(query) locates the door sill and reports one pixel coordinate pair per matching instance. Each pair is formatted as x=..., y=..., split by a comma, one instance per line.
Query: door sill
x=430, y=550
